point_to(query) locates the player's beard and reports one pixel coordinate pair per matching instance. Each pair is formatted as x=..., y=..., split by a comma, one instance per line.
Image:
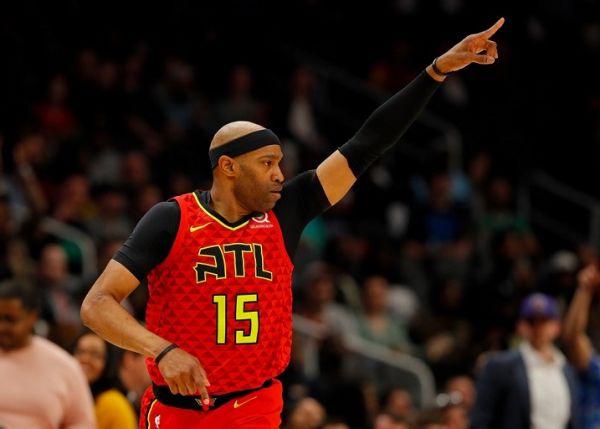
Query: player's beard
x=255, y=195
x=255, y=198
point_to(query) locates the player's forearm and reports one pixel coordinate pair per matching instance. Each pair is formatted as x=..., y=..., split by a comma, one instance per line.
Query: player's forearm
x=388, y=123
x=104, y=314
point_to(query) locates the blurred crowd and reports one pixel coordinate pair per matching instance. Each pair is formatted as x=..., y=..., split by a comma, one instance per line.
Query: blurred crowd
x=426, y=260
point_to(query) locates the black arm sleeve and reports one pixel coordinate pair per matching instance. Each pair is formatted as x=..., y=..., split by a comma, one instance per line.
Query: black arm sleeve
x=302, y=199
x=387, y=124
x=151, y=240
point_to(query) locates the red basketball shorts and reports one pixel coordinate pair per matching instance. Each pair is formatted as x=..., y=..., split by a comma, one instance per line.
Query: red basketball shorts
x=260, y=409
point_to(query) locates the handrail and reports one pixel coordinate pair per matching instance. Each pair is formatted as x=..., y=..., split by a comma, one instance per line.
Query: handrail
x=377, y=353
x=449, y=131
x=572, y=195
x=562, y=190
x=82, y=240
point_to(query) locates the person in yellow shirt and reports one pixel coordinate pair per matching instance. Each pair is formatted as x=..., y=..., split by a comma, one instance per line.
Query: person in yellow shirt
x=96, y=357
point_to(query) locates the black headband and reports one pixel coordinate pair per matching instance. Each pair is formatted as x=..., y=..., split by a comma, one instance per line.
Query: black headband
x=244, y=144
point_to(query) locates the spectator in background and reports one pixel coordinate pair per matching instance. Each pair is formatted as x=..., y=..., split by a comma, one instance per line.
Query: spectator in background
x=146, y=197
x=14, y=254
x=305, y=112
x=446, y=333
x=240, y=103
x=318, y=303
x=25, y=187
x=580, y=351
x=334, y=424
x=398, y=403
x=42, y=386
x=452, y=409
x=345, y=392
x=135, y=172
x=177, y=96
x=388, y=421
x=97, y=359
x=134, y=377
x=455, y=416
x=111, y=219
x=500, y=215
x=430, y=419
x=306, y=414
x=73, y=205
x=560, y=279
x=103, y=160
x=376, y=321
x=587, y=254
x=465, y=387
x=438, y=238
x=54, y=115
x=496, y=290
x=58, y=289
x=532, y=386
x=478, y=172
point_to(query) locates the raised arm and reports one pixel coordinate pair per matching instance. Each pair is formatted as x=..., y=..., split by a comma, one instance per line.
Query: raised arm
x=388, y=123
x=579, y=347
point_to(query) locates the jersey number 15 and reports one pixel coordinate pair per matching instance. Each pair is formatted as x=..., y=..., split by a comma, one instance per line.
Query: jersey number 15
x=242, y=314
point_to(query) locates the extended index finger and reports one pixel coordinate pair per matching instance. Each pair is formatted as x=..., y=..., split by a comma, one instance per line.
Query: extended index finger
x=492, y=30
x=201, y=383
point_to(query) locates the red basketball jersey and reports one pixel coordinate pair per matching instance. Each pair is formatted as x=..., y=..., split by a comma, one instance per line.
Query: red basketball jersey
x=224, y=295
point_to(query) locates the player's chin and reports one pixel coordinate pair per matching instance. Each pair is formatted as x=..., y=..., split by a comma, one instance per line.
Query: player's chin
x=266, y=207
x=271, y=200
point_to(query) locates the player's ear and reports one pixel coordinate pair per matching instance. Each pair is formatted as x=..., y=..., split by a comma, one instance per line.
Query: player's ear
x=227, y=165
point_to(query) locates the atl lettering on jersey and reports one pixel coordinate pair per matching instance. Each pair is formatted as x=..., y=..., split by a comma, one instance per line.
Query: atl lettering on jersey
x=223, y=294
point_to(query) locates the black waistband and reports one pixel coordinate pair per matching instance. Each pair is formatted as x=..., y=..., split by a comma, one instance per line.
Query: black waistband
x=164, y=396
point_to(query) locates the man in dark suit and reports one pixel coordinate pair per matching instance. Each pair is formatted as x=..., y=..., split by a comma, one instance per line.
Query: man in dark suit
x=531, y=387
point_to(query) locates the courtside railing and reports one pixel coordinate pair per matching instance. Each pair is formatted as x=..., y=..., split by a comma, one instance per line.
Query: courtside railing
x=80, y=239
x=561, y=210
x=387, y=367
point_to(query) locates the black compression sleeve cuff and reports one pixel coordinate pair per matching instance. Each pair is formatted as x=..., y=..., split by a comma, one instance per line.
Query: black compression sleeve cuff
x=388, y=123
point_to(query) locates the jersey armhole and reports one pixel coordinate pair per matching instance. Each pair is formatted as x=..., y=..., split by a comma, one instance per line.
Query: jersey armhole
x=183, y=217
x=280, y=235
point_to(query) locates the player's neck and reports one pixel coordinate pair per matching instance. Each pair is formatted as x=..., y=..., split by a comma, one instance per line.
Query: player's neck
x=226, y=205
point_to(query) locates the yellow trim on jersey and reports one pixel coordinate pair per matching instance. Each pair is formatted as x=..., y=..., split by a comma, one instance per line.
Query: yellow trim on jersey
x=196, y=198
x=232, y=228
x=150, y=412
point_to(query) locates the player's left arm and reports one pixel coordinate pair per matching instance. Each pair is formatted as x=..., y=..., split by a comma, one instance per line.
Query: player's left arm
x=388, y=123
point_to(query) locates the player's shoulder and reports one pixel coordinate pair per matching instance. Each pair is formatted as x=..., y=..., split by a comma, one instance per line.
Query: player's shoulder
x=170, y=204
x=165, y=209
